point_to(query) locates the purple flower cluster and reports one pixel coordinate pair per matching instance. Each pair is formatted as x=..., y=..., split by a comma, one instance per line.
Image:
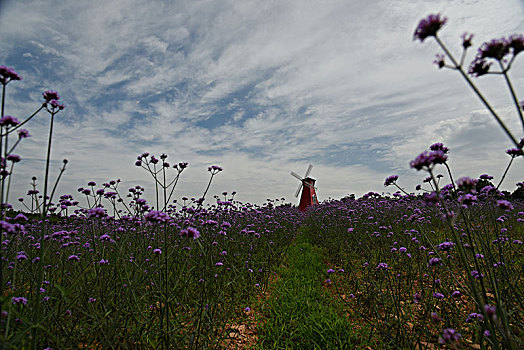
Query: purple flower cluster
x=214, y=169
x=190, y=232
x=157, y=216
x=496, y=49
x=434, y=261
x=390, y=180
x=504, y=204
x=8, y=121
x=427, y=160
x=8, y=74
x=515, y=152
x=445, y=246
x=97, y=212
x=51, y=98
x=429, y=27
x=382, y=266
x=19, y=300
x=449, y=336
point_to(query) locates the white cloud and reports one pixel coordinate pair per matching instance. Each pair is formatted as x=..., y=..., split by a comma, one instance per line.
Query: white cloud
x=260, y=87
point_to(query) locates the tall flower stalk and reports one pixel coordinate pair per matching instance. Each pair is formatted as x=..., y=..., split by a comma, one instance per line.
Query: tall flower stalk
x=52, y=106
x=471, y=246
x=496, y=50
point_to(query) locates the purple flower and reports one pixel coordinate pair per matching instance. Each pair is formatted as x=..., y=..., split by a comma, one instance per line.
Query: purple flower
x=445, y=246
x=474, y=316
x=214, y=169
x=504, y=204
x=479, y=67
x=219, y=263
x=157, y=216
x=20, y=216
x=247, y=309
x=417, y=297
x=438, y=295
x=439, y=146
x=429, y=27
x=330, y=271
x=516, y=42
x=515, y=152
x=96, y=212
x=456, y=294
x=157, y=251
x=477, y=275
x=23, y=133
x=430, y=198
x=466, y=40
x=56, y=104
x=20, y=256
x=486, y=177
x=434, y=261
x=382, y=266
x=390, y=180
x=13, y=158
x=496, y=48
x=466, y=184
x=7, y=120
x=190, y=232
x=440, y=61
x=467, y=199
x=7, y=74
x=50, y=95
x=435, y=317
x=490, y=310
x=428, y=159
x=74, y=258
x=449, y=335
x=19, y=300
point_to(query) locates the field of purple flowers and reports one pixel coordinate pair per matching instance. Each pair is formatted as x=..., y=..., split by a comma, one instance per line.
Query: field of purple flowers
x=140, y=280
x=417, y=280
x=443, y=268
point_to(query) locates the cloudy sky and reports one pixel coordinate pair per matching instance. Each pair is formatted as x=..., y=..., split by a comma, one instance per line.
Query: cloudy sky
x=260, y=88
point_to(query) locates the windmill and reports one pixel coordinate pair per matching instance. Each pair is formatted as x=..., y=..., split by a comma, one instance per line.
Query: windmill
x=307, y=185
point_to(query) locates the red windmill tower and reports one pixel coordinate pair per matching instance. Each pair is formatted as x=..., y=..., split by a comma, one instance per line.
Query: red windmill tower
x=307, y=185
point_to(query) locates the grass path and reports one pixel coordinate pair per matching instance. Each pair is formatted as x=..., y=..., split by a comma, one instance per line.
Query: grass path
x=301, y=313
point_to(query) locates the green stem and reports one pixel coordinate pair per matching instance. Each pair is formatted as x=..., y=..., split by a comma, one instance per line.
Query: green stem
x=505, y=172
x=22, y=123
x=476, y=90
x=56, y=182
x=513, y=95
x=46, y=203
x=407, y=194
x=450, y=176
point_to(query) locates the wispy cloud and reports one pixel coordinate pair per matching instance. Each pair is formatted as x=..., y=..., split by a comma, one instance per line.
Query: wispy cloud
x=262, y=88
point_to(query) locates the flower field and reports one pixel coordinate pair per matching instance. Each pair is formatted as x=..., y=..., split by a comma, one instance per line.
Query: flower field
x=144, y=281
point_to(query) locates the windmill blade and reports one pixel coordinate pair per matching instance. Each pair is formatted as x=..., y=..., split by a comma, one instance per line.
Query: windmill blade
x=296, y=175
x=308, y=170
x=298, y=190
